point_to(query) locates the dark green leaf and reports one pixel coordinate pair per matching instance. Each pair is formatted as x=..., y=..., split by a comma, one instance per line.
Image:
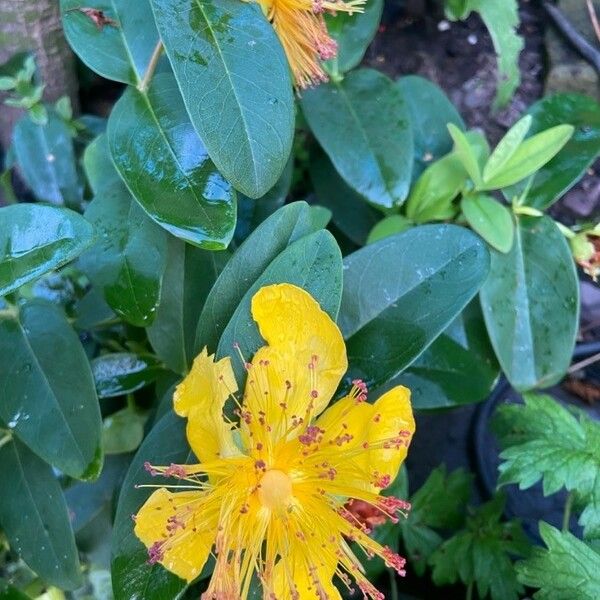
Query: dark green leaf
x=314, y=263
x=430, y=112
x=481, y=554
x=44, y=154
x=390, y=312
x=353, y=33
x=543, y=440
x=98, y=165
x=570, y=164
x=186, y=285
x=530, y=302
x=118, y=48
x=236, y=85
x=34, y=517
x=461, y=353
x=35, y=239
x=49, y=400
x=131, y=574
x=490, y=219
x=123, y=431
x=165, y=166
x=567, y=569
x=123, y=373
x=284, y=227
x=128, y=261
x=92, y=311
x=9, y=592
x=375, y=154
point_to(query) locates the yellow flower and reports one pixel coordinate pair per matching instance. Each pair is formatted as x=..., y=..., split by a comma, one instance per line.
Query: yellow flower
x=270, y=496
x=303, y=34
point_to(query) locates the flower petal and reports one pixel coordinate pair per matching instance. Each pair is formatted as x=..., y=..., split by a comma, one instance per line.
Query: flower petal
x=297, y=373
x=200, y=397
x=177, y=533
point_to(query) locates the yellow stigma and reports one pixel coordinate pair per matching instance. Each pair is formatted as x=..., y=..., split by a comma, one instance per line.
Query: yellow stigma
x=275, y=491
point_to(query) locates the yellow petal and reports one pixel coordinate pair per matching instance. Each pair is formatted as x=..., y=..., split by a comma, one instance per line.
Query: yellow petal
x=177, y=533
x=300, y=369
x=200, y=397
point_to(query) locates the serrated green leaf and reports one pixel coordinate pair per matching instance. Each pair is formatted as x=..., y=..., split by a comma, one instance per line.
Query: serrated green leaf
x=567, y=569
x=481, y=554
x=532, y=154
x=235, y=82
x=490, y=219
x=541, y=440
x=506, y=147
x=530, y=302
x=49, y=400
x=166, y=167
x=36, y=239
x=129, y=259
x=118, y=49
x=375, y=154
x=34, y=517
x=389, y=313
x=123, y=373
x=466, y=153
x=249, y=262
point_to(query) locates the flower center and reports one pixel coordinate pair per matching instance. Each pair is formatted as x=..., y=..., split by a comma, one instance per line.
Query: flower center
x=275, y=490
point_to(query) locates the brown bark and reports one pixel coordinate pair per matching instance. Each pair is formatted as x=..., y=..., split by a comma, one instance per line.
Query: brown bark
x=35, y=25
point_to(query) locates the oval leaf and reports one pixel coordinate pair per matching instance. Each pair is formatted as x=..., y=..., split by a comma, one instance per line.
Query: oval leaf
x=186, y=284
x=375, y=154
x=235, y=83
x=123, y=373
x=531, y=305
x=129, y=259
x=249, y=262
x=98, y=165
x=114, y=38
x=490, y=219
x=390, y=309
x=35, y=239
x=34, y=517
x=165, y=166
x=49, y=400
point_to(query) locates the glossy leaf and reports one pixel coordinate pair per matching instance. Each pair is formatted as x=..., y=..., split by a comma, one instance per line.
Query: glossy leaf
x=461, y=353
x=235, y=82
x=35, y=239
x=123, y=373
x=313, y=263
x=49, y=400
x=430, y=112
x=166, y=167
x=92, y=311
x=390, y=309
x=128, y=260
x=490, y=219
x=249, y=262
x=532, y=154
x=531, y=305
x=98, y=165
x=46, y=160
x=569, y=165
x=351, y=214
x=118, y=49
x=375, y=154
x=353, y=33
x=34, y=517
x=132, y=575
x=187, y=282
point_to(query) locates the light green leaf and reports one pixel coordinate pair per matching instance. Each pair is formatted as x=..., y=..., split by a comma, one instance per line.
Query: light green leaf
x=389, y=226
x=490, y=219
x=235, y=81
x=123, y=431
x=36, y=239
x=466, y=153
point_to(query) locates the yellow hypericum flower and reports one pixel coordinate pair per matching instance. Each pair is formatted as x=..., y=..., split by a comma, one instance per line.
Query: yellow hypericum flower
x=301, y=28
x=270, y=496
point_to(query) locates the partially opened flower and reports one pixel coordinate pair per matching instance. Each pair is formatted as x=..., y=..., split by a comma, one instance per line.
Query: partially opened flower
x=270, y=496
x=301, y=28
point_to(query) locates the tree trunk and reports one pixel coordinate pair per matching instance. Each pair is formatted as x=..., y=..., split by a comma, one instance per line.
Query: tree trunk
x=35, y=25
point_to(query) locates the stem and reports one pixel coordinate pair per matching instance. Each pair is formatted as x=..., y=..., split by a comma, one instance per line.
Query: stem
x=393, y=585
x=469, y=594
x=143, y=85
x=567, y=513
x=5, y=439
x=584, y=363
